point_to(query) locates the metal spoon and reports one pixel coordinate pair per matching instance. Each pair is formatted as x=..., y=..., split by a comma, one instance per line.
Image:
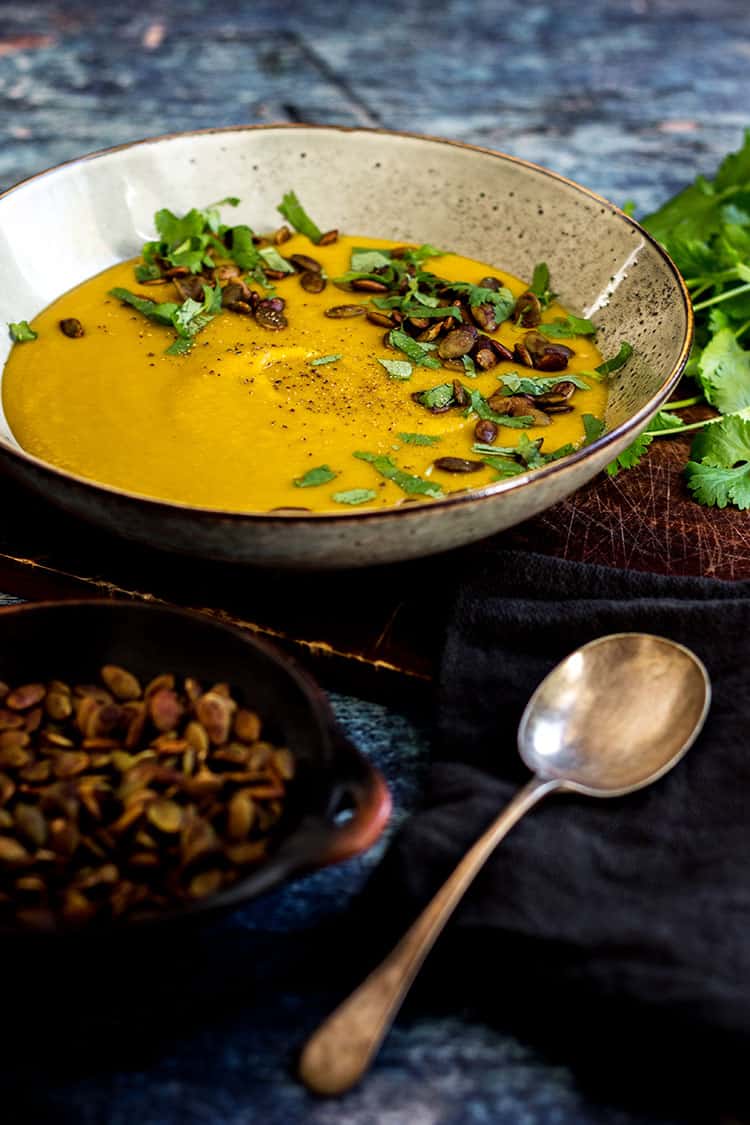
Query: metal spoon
x=612, y=717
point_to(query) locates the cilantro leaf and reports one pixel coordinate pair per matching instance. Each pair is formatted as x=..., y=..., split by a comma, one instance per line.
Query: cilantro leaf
x=397, y=368
x=437, y=397
x=322, y=360
x=716, y=486
x=631, y=456
x=368, y=260
x=617, y=361
x=161, y=313
x=355, y=496
x=570, y=326
x=188, y=319
x=243, y=250
x=322, y=474
x=419, y=439
x=593, y=428
x=22, y=332
x=407, y=482
x=417, y=353
x=273, y=259
x=723, y=443
x=724, y=372
x=295, y=214
x=502, y=300
x=540, y=286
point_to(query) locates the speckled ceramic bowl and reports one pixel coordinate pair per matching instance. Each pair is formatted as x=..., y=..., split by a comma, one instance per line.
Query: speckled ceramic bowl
x=65, y=225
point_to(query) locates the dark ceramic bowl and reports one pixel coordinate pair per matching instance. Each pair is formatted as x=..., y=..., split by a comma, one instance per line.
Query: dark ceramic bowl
x=337, y=804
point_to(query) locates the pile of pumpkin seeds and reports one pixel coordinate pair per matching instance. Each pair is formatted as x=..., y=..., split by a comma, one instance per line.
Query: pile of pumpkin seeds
x=118, y=800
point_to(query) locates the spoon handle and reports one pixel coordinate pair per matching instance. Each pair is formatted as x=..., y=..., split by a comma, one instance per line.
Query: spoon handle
x=339, y=1052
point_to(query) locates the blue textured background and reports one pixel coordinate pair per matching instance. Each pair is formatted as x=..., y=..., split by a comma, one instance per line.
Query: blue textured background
x=631, y=98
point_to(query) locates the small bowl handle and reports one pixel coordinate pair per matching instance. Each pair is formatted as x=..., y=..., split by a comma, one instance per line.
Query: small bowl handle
x=371, y=806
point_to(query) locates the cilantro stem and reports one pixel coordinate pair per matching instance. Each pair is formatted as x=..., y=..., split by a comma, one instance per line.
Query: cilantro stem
x=742, y=329
x=727, y=295
x=683, y=402
x=681, y=429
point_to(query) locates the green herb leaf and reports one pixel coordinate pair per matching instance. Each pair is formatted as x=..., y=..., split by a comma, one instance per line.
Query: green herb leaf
x=540, y=286
x=514, y=384
x=161, y=313
x=243, y=250
x=313, y=477
x=444, y=312
x=502, y=300
x=724, y=373
x=437, y=397
x=593, y=428
x=397, y=368
x=617, y=361
x=322, y=360
x=368, y=260
x=417, y=353
x=22, y=332
x=407, y=482
x=469, y=366
x=295, y=214
x=570, y=326
x=419, y=439
x=355, y=496
x=422, y=253
x=274, y=260
x=146, y=272
x=631, y=456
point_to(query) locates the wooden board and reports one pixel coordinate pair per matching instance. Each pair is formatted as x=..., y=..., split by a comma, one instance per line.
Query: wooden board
x=376, y=631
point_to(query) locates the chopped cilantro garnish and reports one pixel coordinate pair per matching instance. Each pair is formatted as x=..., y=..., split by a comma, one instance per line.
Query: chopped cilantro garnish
x=469, y=366
x=322, y=474
x=407, y=482
x=188, y=319
x=274, y=260
x=479, y=406
x=368, y=260
x=570, y=326
x=417, y=353
x=21, y=331
x=419, y=439
x=397, y=368
x=437, y=397
x=295, y=214
x=323, y=359
x=540, y=285
x=515, y=384
x=354, y=496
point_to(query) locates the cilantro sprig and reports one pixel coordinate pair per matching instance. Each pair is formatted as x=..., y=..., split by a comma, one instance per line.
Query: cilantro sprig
x=706, y=230
x=187, y=319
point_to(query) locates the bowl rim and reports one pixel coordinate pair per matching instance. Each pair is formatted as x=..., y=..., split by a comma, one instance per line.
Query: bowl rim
x=402, y=510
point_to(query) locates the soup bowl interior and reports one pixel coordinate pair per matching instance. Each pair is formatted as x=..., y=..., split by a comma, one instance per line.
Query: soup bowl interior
x=63, y=226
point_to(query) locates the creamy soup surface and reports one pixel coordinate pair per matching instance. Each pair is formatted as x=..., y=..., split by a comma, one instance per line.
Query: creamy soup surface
x=247, y=412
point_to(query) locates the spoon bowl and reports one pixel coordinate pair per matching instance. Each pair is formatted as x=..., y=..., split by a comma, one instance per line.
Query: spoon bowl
x=615, y=715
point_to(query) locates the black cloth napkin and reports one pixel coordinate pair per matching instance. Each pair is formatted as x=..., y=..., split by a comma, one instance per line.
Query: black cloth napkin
x=616, y=931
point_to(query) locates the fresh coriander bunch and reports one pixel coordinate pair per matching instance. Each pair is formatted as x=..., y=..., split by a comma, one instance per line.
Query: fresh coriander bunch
x=706, y=231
